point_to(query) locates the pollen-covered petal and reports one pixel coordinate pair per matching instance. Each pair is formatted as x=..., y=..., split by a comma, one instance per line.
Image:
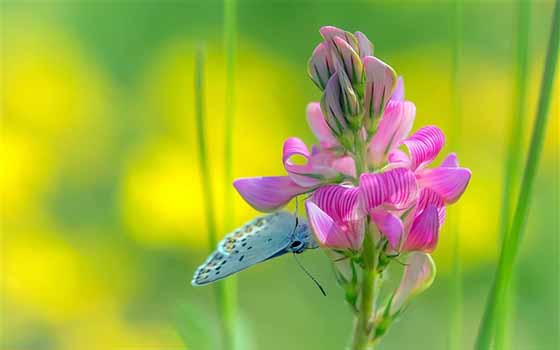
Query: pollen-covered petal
x=395, y=188
x=321, y=66
x=319, y=126
x=424, y=233
x=394, y=127
x=419, y=274
x=341, y=204
x=424, y=145
x=389, y=225
x=449, y=183
x=398, y=94
x=365, y=46
x=380, y=82
x=269, y=193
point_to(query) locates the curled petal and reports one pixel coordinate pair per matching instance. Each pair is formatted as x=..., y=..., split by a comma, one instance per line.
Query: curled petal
x=320, y=66
x=319, y=126
x=306, y=175
x=394, y=127
x=389, y=225
x=267, y=194
x=450, y=161
x=424, y=145
x=395, y=188
x=340, y=204
x=380, y=82
x=424, y=233
x=399, y=158
x=419, y=274
x=427, y=198
x=365, y=46
x=398, y=94
x=349, y=60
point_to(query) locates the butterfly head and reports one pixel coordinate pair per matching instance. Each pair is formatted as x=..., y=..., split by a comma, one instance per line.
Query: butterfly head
x=302, y=238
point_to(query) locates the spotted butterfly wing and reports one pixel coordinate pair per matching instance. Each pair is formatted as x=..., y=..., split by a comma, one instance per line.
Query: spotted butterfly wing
x=258, y=240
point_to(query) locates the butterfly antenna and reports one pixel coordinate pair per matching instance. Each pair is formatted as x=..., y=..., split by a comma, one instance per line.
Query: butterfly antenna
x=309, y=275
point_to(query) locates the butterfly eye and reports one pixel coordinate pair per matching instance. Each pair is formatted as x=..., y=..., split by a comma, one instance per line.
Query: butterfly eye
x=296, y=244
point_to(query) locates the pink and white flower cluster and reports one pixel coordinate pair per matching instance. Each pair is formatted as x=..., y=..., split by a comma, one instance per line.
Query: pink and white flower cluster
x=366, y=168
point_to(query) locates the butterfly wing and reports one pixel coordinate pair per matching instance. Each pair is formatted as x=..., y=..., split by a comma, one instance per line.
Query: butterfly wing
x=258, y=240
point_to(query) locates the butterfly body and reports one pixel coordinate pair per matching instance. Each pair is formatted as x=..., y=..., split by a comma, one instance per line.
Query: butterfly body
x=261, y=239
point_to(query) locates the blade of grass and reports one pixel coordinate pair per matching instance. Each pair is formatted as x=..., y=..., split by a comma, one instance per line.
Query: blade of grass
x=230, y=284
x=510, y=245
x=206, y=181
x=512, y=170
x=456, y=316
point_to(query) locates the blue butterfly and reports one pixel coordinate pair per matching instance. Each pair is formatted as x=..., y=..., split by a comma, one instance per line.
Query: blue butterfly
x=258, y=240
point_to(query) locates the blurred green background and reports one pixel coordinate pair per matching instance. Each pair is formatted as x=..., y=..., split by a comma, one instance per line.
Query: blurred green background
x=102, y=215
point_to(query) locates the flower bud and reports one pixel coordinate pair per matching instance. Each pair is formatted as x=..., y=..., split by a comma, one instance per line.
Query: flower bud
x=349, y=61
x=321, y=65
x=365, y=46
x=380, y=83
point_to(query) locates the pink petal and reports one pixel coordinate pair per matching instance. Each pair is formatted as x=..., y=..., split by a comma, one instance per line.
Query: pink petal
x=450, y=161
x=345, y=165
x=305, y=175
x=396, y=188
x=424, y=232
x=394, y=127
x=268, y=193
x=349, y=60
x=324, y=227
x=449, y=183
x=340, y=203
x=321, y=66
x=319, y=126
x=329, y=33
x=398, y=94
x=419, y=274
x=365, y=46
x=427, y=198
x=389, y=225
x=380, y=81
x=424, y=145
x=399, y=157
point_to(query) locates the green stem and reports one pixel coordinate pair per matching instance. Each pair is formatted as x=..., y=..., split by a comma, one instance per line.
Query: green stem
x=512, y=168
x=510, y=244
x=363, y=326
x=229, y=295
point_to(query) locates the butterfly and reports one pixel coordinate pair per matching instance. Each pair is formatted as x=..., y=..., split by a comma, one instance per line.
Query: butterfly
x=261, y=239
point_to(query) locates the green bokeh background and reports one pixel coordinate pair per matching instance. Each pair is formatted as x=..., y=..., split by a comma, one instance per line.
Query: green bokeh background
x=102, y=216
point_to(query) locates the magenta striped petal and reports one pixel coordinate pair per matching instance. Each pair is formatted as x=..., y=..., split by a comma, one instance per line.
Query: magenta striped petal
x=428, y=197
x=449, y=183
x=380, y=81
x=268, y=193
x=424, y=233
x=399, y=158
x=319, y=126
x=389, y=225
x=340, y=204
x=324, y=227
x=366, y=47
x=398, y=94
x=394, y=127
x=394, y=188
x=321, y=66
x=424, y=145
